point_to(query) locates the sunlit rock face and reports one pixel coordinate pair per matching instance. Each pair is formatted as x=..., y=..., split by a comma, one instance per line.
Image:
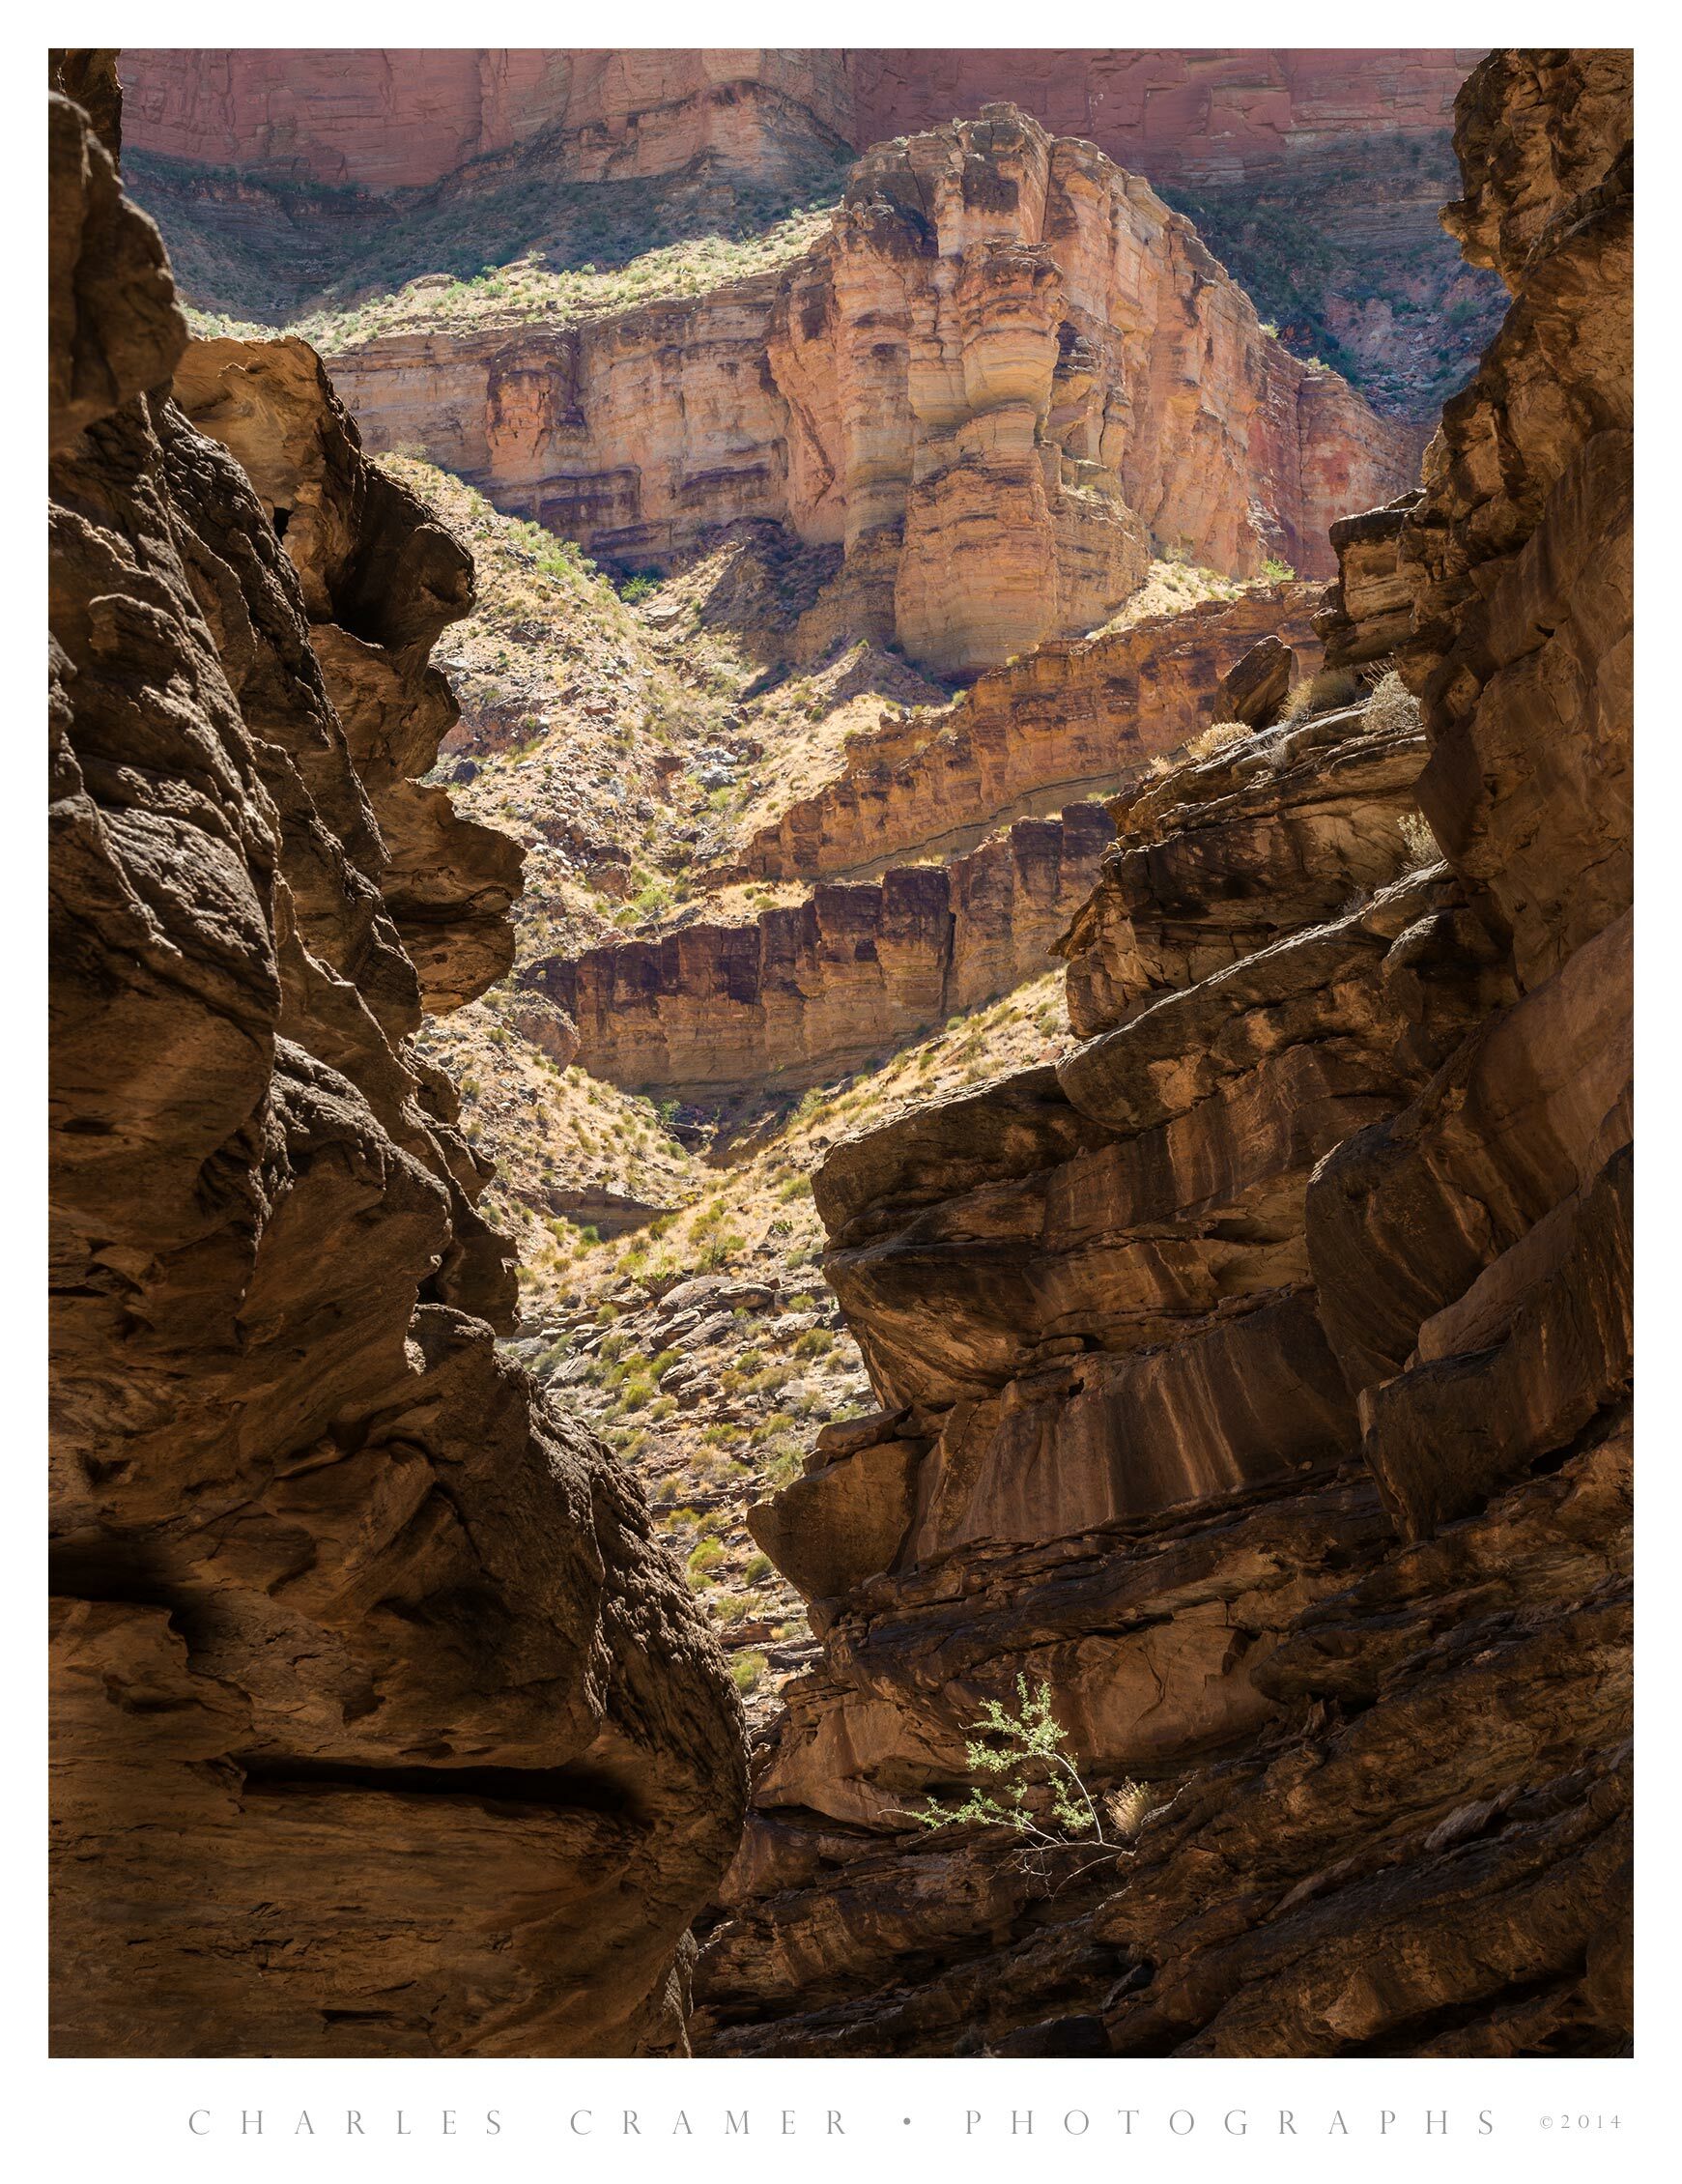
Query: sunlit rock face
x=1076, y=718
x=1313, y=173
x=803, y=994
x=1258, y=1377
x=381, y=1723
x=1005, y=371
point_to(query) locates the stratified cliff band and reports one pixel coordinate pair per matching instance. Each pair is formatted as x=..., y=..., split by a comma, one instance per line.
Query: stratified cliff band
x=381, y=1723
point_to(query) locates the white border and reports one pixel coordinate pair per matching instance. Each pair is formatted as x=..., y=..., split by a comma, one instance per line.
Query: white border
x=130, y=2120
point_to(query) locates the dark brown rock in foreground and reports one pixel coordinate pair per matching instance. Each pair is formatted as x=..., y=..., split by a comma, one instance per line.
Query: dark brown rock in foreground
x=1259, y=1378
x=381, y=1723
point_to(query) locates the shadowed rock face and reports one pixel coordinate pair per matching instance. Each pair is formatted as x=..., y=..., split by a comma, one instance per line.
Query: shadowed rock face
x=811, y=991
x=1258, y=1377
x=1004, y=370
x=395, y=118
x=381, y=1724
x=381, y=579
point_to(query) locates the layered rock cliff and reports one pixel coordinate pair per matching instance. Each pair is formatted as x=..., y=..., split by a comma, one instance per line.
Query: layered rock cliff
x=809, y=992
x=1256, y=1379
x=1006, y=350
x=393, y=118
x=381, y=1723
x=1316, y=173
x=1067, y=719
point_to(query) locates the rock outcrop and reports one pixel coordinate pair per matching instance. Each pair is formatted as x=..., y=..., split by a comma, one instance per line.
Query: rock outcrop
x=381, y=1723
x=1067, y=720
x=1258, y=1378
x=807, y=992
x=1007, y=352
x=1314, y=174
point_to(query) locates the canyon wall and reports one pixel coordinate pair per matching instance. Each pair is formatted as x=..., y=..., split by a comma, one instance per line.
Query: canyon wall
x=1314, y=174
x=403, y=117
x=809, y=992
x=1170, y=111
x=1006, y=351
x=1258, y=1377
x=395, y=118
x=381, y=1723
x=1067, y=720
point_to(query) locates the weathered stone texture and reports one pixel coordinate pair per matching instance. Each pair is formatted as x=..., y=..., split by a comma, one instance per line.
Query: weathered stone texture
x=1259, y=1378
x=391, y=118
x=381, y=1723
x=1067, y=719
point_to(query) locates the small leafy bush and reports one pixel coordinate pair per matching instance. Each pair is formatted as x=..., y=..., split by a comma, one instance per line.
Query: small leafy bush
x=1040, y=1795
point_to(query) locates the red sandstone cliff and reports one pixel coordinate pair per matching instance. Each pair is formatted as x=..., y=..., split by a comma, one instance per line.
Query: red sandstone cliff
x=400, y=117
x=1315, y=174
x=1006, y=352
x=1166, y=110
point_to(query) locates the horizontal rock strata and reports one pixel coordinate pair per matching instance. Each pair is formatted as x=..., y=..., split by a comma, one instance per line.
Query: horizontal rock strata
x=1258, y=1377
x=1065, y=719
x=1006, y=350
x=381, y=1723
x=809, y=991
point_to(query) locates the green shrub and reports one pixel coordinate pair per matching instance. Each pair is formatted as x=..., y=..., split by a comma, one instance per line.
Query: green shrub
x=748, y=1669
x=1041, y=1795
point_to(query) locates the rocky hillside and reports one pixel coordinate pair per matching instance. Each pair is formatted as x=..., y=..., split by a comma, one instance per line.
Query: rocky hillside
x=282, y=177
x=350, y=1622
x=1253, y=1382
x=632, y=745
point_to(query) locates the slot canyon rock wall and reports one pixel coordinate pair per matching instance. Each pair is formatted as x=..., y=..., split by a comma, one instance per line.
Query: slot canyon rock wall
x=381, y=1724
x=1258, y=1377
x=809, y=992
x=1006, y=349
